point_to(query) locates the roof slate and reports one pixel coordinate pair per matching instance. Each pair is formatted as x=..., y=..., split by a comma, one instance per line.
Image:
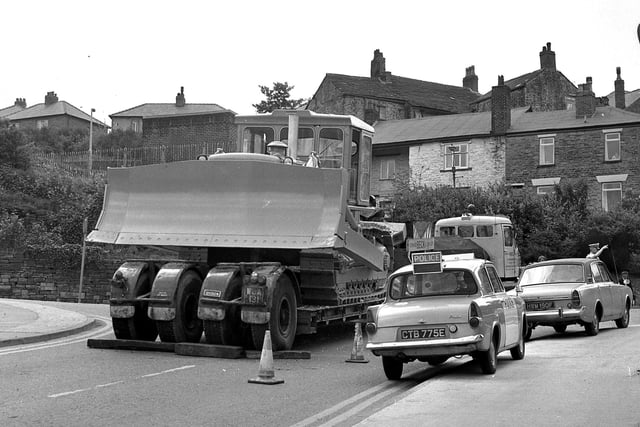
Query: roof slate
x=418, y=93
x=56, y=109
x=151, y=110
x=479, y=124
x=10, y=110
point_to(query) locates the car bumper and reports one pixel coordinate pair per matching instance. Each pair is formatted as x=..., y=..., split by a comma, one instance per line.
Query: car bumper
x=559, y=315
x=443, y=347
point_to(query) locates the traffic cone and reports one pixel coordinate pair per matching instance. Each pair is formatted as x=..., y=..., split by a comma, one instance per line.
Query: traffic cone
x=358, y=346
x=266, y=373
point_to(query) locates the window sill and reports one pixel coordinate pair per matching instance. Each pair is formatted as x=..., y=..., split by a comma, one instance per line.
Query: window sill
x=457, y=170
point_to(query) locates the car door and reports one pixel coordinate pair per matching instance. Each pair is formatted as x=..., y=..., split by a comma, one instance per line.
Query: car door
x=511, y=325
x=604, y=289
x=613, y=311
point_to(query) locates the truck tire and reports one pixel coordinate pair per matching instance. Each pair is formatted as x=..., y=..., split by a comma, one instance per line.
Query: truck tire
x=228, y=331
x=284, y=318
x=186, y=327
x=140, y=326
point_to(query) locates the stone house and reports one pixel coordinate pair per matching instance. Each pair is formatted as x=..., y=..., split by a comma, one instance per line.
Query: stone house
x=544, y=89
x=179, y=123
x=520, y=146
x=54, y=114
x=384, y=96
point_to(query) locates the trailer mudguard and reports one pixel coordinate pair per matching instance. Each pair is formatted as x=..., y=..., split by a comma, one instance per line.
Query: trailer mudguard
x=122, y=289
x=162, y=305
x=215, y=287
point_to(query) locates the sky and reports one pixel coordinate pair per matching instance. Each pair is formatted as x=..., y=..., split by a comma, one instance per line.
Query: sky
x=114, y=55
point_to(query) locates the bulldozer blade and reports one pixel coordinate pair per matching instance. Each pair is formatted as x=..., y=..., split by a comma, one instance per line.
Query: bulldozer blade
x=231, y=202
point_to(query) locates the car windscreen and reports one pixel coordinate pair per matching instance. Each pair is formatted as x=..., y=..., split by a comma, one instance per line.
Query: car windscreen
x=448, y=282
x=555, y=273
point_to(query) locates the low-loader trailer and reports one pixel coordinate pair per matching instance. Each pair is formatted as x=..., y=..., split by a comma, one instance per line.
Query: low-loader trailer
x=260, y=241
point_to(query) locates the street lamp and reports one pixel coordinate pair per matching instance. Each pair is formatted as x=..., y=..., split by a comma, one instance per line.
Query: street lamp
x=91, y=140
x=453, y=150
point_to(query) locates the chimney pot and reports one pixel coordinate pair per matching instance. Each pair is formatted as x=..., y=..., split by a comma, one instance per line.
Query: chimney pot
x=378, y=66
x=618, y=85
x=180, y=100
x=500, y=108
x=470, y=80
x=547, y=58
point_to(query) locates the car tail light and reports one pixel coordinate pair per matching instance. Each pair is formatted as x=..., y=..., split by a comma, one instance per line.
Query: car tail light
x=575, y=299
x=474, y=315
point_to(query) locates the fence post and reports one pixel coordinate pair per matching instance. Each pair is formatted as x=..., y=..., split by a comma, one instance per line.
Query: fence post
x=84, y=238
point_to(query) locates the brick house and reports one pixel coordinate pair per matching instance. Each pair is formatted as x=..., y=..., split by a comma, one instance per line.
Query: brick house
x=54, y=114
x=521, y=147
x=384, y=96
x=179, y=123
x=544, y=89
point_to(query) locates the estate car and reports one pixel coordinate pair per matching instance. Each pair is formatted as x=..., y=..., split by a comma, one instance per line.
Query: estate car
x=455, y=307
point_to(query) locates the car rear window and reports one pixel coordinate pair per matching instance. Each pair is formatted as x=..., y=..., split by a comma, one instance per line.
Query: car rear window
x=449, y=282
x=554, y=273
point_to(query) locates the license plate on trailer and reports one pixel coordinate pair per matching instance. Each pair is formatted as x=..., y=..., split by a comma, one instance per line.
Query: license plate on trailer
x=422, y=333
x=253, y=295
x=537, y=306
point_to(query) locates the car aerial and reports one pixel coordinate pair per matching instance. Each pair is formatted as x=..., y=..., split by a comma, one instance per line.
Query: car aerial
x=441, y=306
x=568, y=291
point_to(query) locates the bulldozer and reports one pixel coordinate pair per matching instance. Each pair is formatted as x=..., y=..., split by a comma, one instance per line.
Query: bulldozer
x=285, y=243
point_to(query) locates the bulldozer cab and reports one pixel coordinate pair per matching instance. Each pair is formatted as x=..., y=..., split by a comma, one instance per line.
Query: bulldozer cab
x=338, y=142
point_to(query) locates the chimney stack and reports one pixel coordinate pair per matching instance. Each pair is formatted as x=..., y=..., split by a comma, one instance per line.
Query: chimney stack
x=378, y=65
x=619, y=91
x=21, y=102
x=500, y=108
x=50, y=98
x=180, y=101
x=470, y=80
x=585, y=100
x=547, y=58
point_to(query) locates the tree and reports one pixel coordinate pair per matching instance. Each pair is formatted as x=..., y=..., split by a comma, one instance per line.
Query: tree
x=278, y=97
x=14, y=151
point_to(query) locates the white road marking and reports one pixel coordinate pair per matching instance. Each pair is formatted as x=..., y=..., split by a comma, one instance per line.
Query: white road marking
x=103, y=331
x=168, y=371
x=99, y=386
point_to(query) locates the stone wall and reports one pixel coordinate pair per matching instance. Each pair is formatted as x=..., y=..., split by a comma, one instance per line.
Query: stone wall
x=40, y=279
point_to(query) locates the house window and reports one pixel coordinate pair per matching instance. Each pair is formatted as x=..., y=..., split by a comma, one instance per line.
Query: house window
x=547, y=145
x=545, y=189
x=387, y=169
x=42, y=124
x=612, y=146
x=456, y=155
x=134, y=126
x=611, y=195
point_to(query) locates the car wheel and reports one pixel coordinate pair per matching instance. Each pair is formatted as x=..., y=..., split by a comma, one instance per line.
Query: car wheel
x=593, y=328
x=561, y=329
x=517, y=352
x=623, y=322
x=489, y=359
x=529, y=331
x=392, y=367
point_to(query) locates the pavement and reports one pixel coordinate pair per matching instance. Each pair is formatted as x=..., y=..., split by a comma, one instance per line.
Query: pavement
x=26, y=322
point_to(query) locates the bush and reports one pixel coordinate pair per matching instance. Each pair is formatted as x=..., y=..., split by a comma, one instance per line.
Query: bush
x=14, y=151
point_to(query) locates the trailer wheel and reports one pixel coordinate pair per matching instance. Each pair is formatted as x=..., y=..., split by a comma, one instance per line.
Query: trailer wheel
x=186, y=327
x=140, y=326
x=228, y=331
x=284, y=318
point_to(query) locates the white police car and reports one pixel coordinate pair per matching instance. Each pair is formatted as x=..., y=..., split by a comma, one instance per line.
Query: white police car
x=443, y=306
